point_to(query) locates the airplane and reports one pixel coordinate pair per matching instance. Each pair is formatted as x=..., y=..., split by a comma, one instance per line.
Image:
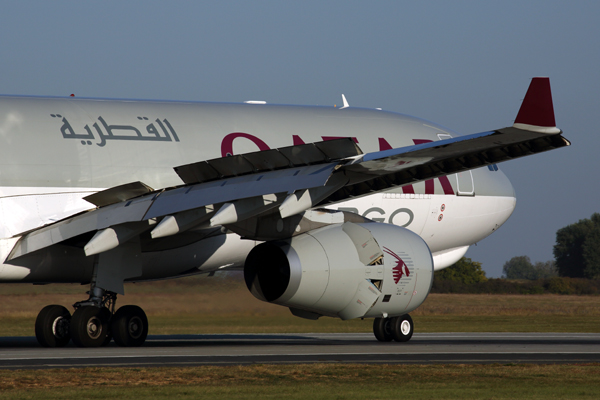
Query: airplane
x=338, y=212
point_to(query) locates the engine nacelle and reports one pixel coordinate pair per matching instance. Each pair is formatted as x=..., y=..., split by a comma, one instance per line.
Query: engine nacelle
x=343, y=270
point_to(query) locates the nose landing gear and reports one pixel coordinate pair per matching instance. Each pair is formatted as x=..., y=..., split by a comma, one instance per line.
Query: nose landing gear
x=399, y=329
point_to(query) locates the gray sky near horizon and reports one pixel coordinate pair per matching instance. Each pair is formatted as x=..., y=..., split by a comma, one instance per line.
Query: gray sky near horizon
x=463, y=64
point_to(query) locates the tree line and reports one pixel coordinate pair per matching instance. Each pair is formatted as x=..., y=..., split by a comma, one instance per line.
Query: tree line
x=576, y=255
x=574, y=270
x=467, y=276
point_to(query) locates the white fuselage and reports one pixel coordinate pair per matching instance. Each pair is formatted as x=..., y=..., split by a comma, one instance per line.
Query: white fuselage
x=55, y=151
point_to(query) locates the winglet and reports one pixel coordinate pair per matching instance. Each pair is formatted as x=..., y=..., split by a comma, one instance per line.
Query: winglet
x=537, y=112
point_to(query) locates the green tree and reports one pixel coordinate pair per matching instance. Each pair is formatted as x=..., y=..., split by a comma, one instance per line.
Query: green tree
x=545, y=270
x=519, y=267
x=591, y=254
x=464, y=270
x=577, y=249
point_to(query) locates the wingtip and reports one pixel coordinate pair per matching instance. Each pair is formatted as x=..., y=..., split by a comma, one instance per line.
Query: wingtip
x=537, y=110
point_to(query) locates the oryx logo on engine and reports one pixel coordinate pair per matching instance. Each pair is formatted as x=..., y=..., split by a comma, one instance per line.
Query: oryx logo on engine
x=400, y=269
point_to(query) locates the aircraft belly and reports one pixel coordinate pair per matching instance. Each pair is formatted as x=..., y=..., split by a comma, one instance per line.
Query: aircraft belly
x=465, y=220
x=215, y=253
x=446, y=258
x=10, y=273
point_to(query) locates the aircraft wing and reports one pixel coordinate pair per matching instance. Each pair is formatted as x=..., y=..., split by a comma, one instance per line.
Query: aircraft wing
x=251, y=193
x=397, y=167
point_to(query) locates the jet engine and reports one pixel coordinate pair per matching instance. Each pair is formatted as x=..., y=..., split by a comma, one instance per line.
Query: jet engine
x=344, y=270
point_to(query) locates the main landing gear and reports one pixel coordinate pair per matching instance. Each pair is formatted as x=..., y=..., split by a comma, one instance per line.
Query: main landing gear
x=399, y=329
x=94, y=323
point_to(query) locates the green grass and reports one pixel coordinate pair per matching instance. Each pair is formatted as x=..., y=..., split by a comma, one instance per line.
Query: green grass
x=201, y=305
x=316, y=381
x=192, y=306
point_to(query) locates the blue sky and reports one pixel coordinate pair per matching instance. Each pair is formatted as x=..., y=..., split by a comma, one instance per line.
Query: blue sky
x=463, y=64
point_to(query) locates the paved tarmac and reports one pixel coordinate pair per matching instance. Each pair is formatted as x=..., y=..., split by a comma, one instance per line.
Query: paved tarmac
x=244, y=349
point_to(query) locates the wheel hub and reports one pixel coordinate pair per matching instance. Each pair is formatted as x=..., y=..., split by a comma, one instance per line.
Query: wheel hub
x=405, y=327
x=135, y=327
x=60, y=327
x=94, y=328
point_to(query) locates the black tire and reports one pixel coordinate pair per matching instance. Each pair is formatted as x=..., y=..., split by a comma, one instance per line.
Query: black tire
x=382, y=328
x=129, y=326
x=402, y=328
x=89, y=326
x=52, y=326
x=108, y=337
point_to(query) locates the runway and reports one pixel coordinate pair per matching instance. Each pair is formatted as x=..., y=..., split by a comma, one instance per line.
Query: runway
x=244, y=349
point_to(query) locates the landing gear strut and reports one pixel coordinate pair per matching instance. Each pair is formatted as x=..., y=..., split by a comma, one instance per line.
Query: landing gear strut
x=90, y=323
x=399, y=329
x=94, y=323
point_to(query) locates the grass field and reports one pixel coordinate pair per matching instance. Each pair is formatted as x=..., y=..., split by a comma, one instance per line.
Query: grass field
x=215, y=305
x=318, y=381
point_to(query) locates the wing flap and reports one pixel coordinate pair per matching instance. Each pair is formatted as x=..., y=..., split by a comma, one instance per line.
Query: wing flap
x=242, y=187
x=171, y=201
x=118, y=193
x=89, y=221
x=268, y=160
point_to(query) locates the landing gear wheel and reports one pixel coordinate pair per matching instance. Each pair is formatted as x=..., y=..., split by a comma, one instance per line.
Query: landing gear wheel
x=382, y=328
x=108, y=337
x=402, y=328
x=89, y=326
x=129, y=326
x=52, y=326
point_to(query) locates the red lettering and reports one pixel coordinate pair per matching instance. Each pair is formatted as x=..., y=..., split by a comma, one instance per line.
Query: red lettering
x=446, y=185
x=384, y=145
x=227, y=143
x=297, y=140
